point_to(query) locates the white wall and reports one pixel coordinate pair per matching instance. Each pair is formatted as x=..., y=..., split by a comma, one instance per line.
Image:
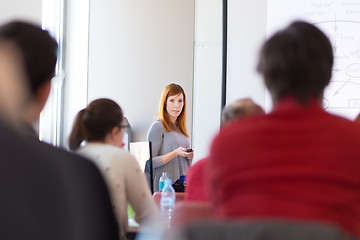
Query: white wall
x=21, y=9
x=136, y=48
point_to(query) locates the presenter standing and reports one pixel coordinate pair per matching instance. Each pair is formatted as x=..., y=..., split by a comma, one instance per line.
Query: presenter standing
x=171, y=151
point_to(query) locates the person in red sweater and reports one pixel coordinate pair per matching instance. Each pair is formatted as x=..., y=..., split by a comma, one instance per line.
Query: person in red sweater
x=297, y=163
x=196, y=176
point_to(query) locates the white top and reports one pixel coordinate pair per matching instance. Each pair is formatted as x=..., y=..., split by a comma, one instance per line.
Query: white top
x=125, y=180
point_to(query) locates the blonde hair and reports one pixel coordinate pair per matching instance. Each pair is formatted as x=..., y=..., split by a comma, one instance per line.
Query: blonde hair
x=241, y=108
x=172, y=90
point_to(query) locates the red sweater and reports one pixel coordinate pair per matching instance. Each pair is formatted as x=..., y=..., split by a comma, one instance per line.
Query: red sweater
x=196, y=182
x=295, y=163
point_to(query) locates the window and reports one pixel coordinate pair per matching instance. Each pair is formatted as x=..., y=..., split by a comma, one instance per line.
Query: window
x=50, y=123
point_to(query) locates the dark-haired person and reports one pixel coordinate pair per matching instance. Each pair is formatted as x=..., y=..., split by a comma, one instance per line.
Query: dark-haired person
x=47, y=193
x=298, y=163
x=39, y=52
x=101, y=125
x=169, y=136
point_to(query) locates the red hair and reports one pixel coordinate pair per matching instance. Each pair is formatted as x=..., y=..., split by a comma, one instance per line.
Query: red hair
x=172, y=90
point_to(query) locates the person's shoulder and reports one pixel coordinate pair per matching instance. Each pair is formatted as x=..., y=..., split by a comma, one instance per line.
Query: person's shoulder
x=60, y=182
x=65, y=160
x=119, y=155
x=57, y=152
x=17, y=149
x=156, y=127
x=343, y=124
x=200, y=163
x=197, y=167
x=121, y=159
x=122, y=153
x=158, y=124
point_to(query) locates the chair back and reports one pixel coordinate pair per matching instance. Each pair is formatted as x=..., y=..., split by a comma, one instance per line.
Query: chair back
x=262, y=230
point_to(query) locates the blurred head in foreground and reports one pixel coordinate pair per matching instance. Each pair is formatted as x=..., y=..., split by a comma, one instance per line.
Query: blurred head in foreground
x=297, y=61
x=38, y=51
x=13, y=87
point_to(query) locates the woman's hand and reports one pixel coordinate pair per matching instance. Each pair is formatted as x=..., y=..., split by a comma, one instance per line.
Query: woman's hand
x=184, y=152
x=180, y=151
x=190, y=156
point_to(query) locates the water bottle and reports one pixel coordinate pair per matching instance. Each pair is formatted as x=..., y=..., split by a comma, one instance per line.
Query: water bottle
x=167, y=201
x=162, y=181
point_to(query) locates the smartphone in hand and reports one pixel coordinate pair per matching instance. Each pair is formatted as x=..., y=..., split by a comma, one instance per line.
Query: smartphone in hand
x=189, y=150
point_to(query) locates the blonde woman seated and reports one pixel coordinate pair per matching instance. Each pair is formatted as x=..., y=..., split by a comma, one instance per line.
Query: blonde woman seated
x=101, y=125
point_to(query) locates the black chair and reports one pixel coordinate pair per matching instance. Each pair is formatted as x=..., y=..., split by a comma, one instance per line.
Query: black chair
x=261, y=230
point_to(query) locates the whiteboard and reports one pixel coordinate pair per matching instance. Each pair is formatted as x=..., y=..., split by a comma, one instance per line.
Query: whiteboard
x=340, y=21
x=245, y=33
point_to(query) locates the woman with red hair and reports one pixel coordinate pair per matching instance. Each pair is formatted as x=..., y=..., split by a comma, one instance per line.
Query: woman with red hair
x=169, y=137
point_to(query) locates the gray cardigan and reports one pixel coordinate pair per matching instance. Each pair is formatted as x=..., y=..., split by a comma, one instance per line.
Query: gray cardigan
x=164, y=142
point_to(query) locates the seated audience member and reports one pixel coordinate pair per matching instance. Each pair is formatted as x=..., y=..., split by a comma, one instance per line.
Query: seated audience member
x=196, y=177
x=46, y=193
x=101, y=125
x=299, y=162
